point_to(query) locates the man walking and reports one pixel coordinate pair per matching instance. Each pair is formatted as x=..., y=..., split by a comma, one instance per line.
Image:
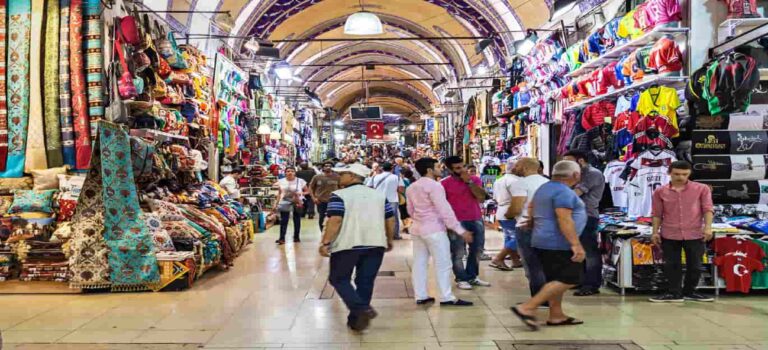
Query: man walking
x=522, y=194
x=390, y=185
x=320, y=189
x=590, y=189
x=682, y=221
x=464, y=193
x=432, y=216
x=307, y=174
x=502, y=194
x=558, y=217
x=360, y=229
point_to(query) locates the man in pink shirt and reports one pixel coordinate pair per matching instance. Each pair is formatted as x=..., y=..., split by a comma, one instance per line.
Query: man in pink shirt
x=432, y=216
x=682, y=220
x=465, y=193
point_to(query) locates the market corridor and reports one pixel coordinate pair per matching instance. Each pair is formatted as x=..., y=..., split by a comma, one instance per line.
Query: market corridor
x=275, y=297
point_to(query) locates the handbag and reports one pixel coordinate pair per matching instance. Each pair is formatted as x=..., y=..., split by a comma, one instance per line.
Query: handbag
x=125, y=84
x=117, y=110
x=284, y=206
x=129, y=30
x=172, y=54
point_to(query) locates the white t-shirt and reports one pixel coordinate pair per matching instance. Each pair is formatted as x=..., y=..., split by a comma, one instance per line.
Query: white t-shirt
x=613, y=178
x=295, y=186
x=230, y=185
x=502, y=194
x=527, y=187
x=386, y=183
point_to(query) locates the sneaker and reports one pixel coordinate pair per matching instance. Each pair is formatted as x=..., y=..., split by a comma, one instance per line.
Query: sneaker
x=698, y=297
x=457, y=302
x=667, y=298
x=485, y=257
x=425, y=301
x=464, y=285
x=479, y=282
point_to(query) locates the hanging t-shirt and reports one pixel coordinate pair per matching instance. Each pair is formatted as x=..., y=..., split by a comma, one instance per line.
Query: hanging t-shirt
x=665, y=56
x=662, y=100
x=616, y=184
x=760, y=277
x=642, y=253
x=742, y=8
x=730, y=245
x=663, y=11
x=737, y=271
x=642, y=186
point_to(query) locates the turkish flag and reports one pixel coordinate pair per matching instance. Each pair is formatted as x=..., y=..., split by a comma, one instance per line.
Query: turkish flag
x=375, y=130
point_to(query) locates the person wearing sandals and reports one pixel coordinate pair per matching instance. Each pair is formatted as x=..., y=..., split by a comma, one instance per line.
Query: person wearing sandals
x=290, y=199
x=558, y=216
x=502, y=194
x=432, y=218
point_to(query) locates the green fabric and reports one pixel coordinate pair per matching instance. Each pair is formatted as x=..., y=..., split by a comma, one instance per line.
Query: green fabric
x=760, y=279
x=51, y=86
x=712, y=100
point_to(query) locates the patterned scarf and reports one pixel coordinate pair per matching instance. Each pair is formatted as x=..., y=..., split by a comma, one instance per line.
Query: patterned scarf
x=111, y=245
x=94, y=62
x=51, y=86
x=3, y=103
x=79, y=101
x=35, y=152
x=17, y=84
x=65, y=107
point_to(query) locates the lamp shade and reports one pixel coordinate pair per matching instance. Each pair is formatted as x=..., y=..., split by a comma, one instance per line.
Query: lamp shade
x=363, y=23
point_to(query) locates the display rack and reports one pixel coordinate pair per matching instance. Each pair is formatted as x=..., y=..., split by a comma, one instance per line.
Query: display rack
x=739, y=40
x=677, y=82
x=619, y=51
x=735, y=26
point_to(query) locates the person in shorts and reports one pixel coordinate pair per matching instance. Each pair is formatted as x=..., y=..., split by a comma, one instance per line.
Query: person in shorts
x=558, y=216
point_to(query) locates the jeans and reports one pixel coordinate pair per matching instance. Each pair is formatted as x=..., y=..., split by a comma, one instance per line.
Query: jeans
x=309, y=207
x=397, y=219
x=533, y=269
x=284, y=217
x=436, y=245
x=508, y=228
x=458, y=250
x=366, y=264
x=322, y=207
x=593, y=264
x=673, y=268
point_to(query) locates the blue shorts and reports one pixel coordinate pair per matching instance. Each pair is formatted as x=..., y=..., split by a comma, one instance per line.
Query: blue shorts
x=508, y=228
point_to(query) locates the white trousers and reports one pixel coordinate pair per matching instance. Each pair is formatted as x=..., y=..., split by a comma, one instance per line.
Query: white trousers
x=438, y=246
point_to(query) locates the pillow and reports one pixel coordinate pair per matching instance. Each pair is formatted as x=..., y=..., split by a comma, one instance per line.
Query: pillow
x=167, y=211
x=48, y=179
x=5, y=204
x=70, y=186
x=63, y=232
x=66, y=209
x=161, y=238
x=9, y=185
x=31, y=229
x=31, y=200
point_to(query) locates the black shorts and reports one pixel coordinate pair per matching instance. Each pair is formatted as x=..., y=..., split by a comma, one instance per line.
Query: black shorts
x=558, y=266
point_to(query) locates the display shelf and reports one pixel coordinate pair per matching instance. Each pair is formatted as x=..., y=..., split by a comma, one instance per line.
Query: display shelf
x=677, y=82
x=617, y=52
x=739, y=40
x=735, y=26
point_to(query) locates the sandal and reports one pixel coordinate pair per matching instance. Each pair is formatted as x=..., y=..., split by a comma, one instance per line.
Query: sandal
x=570, y=321
x=502, y=267
x=528, y=320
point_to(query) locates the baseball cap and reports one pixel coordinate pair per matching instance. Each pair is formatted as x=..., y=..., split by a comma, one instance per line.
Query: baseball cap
x=355, y=168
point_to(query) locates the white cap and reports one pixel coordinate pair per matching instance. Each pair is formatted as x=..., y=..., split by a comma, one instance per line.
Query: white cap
x=356, y=168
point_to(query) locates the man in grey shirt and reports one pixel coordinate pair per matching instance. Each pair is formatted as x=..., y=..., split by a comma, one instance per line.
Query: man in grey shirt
x=590, y=189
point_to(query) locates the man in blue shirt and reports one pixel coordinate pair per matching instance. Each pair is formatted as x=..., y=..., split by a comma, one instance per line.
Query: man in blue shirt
x=558, y=216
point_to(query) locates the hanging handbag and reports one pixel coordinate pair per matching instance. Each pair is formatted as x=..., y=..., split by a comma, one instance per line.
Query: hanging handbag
x=117, y=110
x=125, y=84
x=175, y=58
x=129, y=30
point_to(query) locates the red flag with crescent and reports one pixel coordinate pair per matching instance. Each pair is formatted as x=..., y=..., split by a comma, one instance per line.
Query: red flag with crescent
x=375, y=130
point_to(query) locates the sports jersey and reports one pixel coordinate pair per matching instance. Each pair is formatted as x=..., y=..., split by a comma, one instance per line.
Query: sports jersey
x=616, y=184
x=606, y=79
x=662, y=100
x=623, y=104
x=742, y=8
x=646, y=140
x=663, y=11
x=595, y=114
x=628, y=28
x=641, y=188
x=657, y=122
x=642, y=20
x=730, y=245
x=610, y=37
x=595, y=46
x=628, y=65
x=665, y=56
x=626, y=120
x=737, y=271
x=640, y=67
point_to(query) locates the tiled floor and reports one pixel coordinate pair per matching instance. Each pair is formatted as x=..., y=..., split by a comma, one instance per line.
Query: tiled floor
x=271, y=298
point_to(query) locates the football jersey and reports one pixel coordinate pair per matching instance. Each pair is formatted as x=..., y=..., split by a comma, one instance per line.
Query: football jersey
x=665, y=56
x=642, y=20
x=623, y=104
x=616, y=184
x=742, y=8
x=659, y=123
x=654, y=159
x=646, y=181
x=663, y=11
x=628, y=28
x=737, y=271
x=662, y=100
x=606, y=79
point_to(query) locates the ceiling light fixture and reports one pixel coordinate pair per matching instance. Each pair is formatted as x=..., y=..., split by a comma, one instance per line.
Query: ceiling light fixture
x=252, y=45
x=561, y=7
x=524, y=47
x=363, y=23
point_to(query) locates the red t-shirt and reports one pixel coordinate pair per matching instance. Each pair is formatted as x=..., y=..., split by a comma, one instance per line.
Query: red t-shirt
x=606, y=79
x=742, y=8
x=665, y=56
x=595, y=114
x=461, y=199
x=737, y=272
x=626, y=120
x=658, y=122
x=726, y=245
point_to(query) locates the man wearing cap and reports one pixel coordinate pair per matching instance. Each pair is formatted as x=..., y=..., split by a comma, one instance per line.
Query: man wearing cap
x=359, y=229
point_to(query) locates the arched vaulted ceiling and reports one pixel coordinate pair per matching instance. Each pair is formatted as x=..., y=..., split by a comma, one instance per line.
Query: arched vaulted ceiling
x=324, y=19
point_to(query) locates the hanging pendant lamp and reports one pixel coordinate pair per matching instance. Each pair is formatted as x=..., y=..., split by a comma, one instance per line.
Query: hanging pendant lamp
x=363, y=23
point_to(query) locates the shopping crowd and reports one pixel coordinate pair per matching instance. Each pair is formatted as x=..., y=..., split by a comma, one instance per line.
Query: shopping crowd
x=550, y=227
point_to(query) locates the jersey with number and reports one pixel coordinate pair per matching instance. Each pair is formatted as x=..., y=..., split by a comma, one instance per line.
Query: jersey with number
x=646, y=181
x=613, y=178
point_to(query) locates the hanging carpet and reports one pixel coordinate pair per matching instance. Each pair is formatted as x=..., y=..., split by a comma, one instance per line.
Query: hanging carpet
x=51, y=85
x=94, y=62
x=78, y=85
x=3, y=103
x=65, y=97
x=35, y=152
x=111, y=246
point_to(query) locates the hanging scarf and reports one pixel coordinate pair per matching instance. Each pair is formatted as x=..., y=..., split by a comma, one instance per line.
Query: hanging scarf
x=17, y=84
x=51, y=86
x=35, y=152
x=94, y=62
x=111, y=245
x=3, y=103
x=79, y=101
x=65, y=107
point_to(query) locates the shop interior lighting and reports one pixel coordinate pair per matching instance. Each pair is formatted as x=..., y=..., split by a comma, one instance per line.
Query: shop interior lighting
x=252, y=45
x=524, y=47
x=363, y=23
x=561, y=7
x=284, y=72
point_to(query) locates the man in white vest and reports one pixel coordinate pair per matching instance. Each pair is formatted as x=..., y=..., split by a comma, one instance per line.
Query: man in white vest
x=359, y=229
